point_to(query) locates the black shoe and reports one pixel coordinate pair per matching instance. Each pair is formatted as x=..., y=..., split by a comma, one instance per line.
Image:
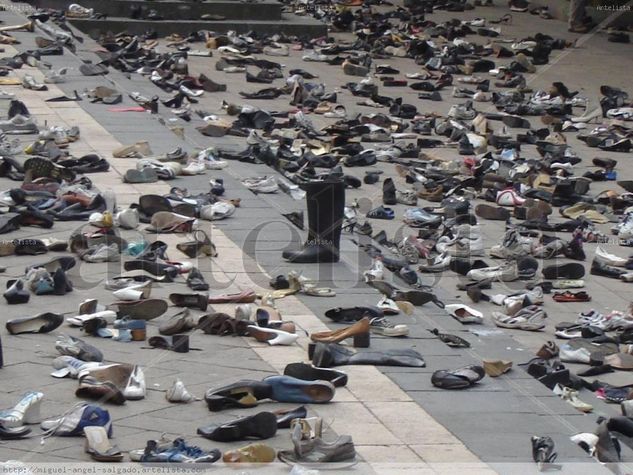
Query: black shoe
x=13, y=433
x=312, y=373
x=296, y=218
x=244, y=393
x=260, y=426
x=284, y=418
x=564, y=271
x=600, y=268
x=41, y=323
x=16, y=294
x=195, y=280
x=389, y=192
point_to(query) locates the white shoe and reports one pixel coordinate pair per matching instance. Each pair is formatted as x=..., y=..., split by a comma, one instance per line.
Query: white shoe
x=178, y=393
x=127, y=219
x=211, y=162
x=194, y=167
x=505, y=273
x=571, y=396
x=570, y=355
x=102, y=253
x=261, y=184
x=610, y=259
x=78, y=321
x=388, y=306
x=509, y=197
x=439, y=264
x=464, y=313
x=276, y=337
x=134, y=292
x=217, y=210
x=135, y=388
x=376, y=272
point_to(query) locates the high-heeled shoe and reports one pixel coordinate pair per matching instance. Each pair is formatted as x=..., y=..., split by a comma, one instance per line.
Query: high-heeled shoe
x=202, y=244
x=27, y=411
x=359, y=332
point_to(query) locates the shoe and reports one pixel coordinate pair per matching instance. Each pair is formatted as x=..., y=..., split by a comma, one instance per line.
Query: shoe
x=289, y=389
x=464, y=314
x=135, y=388
x=244, y=393
x=272, y=336
x=495, y=368
x=15, y=294
x=359, y=332
x=198, y=301
x=26, y=411
x=98, y=445
x=571, y=396
x=178, y=393
x=262, y=425
x=40, y=323
x=253, y=453
x=543, y=449
x=71, y=346
x=177, y=452
x=382, y=326
x=531, y=318
x=73, y=422
x=312, y=373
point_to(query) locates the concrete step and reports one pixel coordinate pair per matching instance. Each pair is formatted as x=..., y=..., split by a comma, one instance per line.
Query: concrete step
x=177, y=10
x=289, y=24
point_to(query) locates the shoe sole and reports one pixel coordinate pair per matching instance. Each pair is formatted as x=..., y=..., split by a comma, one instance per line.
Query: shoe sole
x=571, y=271
x=492, y=212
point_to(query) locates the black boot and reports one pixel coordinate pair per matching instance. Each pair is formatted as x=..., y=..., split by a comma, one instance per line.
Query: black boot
x=332, y=354
x=389, y=192
x=325, y=203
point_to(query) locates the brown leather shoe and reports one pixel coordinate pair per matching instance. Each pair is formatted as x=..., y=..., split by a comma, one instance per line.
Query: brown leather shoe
x=359, y=331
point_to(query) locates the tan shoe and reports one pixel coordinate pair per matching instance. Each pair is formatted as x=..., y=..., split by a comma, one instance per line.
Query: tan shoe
x=359, y=331
x=494, y=368
x=253, y=453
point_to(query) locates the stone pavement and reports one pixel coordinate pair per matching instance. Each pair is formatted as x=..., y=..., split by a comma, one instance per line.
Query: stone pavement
x=399, y=421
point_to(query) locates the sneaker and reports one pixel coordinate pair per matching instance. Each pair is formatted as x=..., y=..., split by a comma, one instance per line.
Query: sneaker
x=72, y=422
x=178, y=393
x=261, y=184
x=513, y=246
x=211, y=162
x=19, y=125
x=383, y=326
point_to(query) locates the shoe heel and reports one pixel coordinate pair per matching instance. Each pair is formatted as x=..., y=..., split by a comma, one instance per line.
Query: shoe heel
x=362, y=340
x=311, y=347
x=32, y=414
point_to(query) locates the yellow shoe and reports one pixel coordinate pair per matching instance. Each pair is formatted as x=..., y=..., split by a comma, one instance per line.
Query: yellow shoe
x=253, y=453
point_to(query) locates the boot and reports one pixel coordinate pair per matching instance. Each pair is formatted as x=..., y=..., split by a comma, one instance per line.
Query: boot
x=332, y=354
x=326, y=204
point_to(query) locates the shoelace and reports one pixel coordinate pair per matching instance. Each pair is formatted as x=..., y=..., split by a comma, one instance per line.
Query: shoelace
x=50, y=432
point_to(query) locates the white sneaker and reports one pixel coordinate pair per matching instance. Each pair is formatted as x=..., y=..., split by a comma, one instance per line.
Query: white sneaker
x=194, y=167
x=178, y=393
x=102, y=253
x=261, y=184
x=509, y=197
x=135, y=388
x=610, y=259
x=574, y=355
x=513, y=245
x=505, y=273
x=216, y=211
x=388, y=306
x=211, y=162
x=439, y=264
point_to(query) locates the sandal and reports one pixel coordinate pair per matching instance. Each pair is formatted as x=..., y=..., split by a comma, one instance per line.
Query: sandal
x=99, y=447
x=461, y=378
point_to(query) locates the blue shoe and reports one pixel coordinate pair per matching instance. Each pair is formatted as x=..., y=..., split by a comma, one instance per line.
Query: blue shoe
x=611, y=175
x=73, y=422
x=289, y=389
x=178, y=452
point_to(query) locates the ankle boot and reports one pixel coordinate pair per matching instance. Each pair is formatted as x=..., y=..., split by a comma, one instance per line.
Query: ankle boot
x=326, y=204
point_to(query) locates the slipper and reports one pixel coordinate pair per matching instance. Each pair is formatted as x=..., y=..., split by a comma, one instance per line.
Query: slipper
x=461, y=378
